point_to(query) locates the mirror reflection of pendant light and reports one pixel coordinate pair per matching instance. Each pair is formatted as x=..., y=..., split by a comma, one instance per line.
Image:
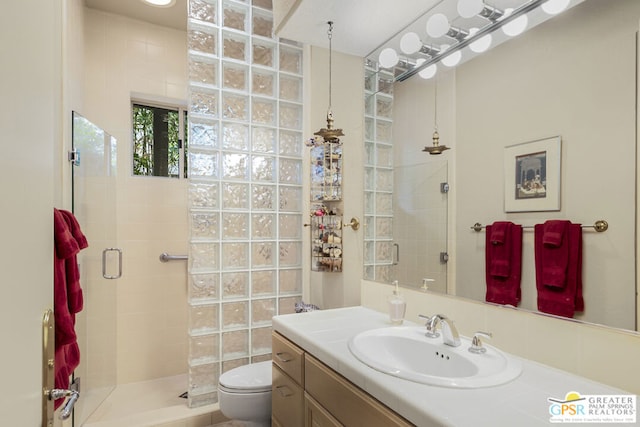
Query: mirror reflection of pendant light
x=435, y=148
x=329, y=134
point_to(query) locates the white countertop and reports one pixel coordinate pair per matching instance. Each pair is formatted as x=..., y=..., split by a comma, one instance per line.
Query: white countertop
x=522, y=402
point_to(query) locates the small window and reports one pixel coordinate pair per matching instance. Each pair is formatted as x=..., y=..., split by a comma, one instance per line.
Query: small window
x=159, y=141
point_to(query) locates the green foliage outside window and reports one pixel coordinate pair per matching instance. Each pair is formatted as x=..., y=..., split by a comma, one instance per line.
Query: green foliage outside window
x=156, y=141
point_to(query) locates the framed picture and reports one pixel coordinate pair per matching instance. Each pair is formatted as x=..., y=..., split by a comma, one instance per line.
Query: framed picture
x=532, y=176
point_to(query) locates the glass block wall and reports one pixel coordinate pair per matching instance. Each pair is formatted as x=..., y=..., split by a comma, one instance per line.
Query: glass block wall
x=378, y=179
x=245, y=186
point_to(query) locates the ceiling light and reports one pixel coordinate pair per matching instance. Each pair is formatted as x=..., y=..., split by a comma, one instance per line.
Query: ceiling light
x=410, y=43
x=428, y=72
x=470, y=8
x=388, y=58
x=160, y=3
x=482, y=44
x=553, y=7
x=429, y=50
x=453, y=59
x=435, y=148
x=437, y=25
x=329, y=134
x=517, y=26
x=457, y=33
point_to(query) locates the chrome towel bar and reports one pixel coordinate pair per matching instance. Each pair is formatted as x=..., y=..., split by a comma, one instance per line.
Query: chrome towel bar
x=165, y=257
x=600, y=226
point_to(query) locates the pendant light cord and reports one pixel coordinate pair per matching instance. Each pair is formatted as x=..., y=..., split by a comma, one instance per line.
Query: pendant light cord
x=330, y=34
x=435, y=106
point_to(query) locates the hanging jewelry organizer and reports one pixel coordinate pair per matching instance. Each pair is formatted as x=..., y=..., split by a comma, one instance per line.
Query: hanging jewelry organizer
x=326, y=191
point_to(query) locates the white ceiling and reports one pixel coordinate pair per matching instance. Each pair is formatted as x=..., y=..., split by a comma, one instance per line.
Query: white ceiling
x=359, y=25
x=172, y=17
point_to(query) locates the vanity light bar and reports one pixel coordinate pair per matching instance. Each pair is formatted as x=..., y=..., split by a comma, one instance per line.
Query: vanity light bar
x=488, y=29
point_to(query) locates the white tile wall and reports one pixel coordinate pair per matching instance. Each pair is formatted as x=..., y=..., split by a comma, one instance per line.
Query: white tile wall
x=125, y=56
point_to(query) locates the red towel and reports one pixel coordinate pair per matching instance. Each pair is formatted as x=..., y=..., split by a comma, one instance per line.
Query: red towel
x=554, y=269
x=67, y=295
x=503, y=258
x=559, y=268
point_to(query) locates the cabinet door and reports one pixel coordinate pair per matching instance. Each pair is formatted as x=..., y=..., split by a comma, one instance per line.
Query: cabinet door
x=347, y=403
x=288, y=357
x=287, y=400
x=316, y=416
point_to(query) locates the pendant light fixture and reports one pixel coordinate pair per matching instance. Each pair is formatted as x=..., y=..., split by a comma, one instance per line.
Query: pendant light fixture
x=436, y=148
x=329, y=134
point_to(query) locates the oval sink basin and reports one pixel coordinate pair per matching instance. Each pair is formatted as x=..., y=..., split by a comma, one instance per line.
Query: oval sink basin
x=405, y=352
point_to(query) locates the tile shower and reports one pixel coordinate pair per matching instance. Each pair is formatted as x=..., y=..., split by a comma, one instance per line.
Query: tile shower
x=245, y=186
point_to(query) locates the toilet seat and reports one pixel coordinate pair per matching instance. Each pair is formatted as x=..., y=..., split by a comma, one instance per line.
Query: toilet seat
x=252, y=378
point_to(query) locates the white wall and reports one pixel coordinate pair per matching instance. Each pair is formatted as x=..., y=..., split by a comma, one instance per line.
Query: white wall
x=330, y=290
x=573, y=76
x=30, y=90
x=124, y=56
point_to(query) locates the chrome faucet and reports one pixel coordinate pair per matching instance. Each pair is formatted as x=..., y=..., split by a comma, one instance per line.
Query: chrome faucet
x=450, y=334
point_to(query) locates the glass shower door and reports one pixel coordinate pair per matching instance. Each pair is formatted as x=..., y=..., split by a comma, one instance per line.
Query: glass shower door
x=94, y=205
x=420, y=223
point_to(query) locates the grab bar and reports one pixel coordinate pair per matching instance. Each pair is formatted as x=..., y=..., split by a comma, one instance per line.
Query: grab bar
x=397, y=260
x=165, y=257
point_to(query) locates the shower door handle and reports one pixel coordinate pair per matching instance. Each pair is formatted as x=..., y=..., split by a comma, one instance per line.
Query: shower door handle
x=67, y=409
x=104, y=263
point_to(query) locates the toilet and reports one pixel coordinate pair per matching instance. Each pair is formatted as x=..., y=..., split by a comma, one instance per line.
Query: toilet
x=244, y=394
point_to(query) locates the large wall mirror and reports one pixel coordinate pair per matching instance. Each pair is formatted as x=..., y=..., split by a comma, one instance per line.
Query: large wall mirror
x=573, y=76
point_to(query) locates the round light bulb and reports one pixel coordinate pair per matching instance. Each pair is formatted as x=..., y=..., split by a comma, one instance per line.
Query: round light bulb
x=427, y=72
x=453, y=59
x=160, y=3
x=437, y=25
x=517, y=26
x=482, y=44
x=470, y=8
x=410, y=43
x=553, y=7
x=388, y=58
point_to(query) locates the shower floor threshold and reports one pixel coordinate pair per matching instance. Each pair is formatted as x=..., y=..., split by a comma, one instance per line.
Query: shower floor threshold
x=151, y=403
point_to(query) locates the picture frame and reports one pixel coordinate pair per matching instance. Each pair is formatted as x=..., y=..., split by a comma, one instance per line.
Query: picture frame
x=532, y=176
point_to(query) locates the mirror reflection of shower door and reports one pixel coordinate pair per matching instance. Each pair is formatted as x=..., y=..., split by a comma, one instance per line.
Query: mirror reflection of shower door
x=420, y=208
x=94, y=204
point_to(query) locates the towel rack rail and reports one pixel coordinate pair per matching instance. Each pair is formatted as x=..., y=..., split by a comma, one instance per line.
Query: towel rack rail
x=600, y=226
x=165, y=257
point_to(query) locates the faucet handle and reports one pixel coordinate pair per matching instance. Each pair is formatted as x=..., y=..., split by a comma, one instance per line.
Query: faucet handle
x=432, y=324
x=476, y=343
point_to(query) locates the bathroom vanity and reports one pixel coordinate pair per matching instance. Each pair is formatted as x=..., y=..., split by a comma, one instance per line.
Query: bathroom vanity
x=317, y=381
x=305, y=392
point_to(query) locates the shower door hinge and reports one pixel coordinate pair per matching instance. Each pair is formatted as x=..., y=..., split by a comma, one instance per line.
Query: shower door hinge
x=444, y=257
x=444, y=187
x=74, y=157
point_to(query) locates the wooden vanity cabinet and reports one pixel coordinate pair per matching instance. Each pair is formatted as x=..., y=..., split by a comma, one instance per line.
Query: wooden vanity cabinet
x=308, y=393
x=287, y=389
